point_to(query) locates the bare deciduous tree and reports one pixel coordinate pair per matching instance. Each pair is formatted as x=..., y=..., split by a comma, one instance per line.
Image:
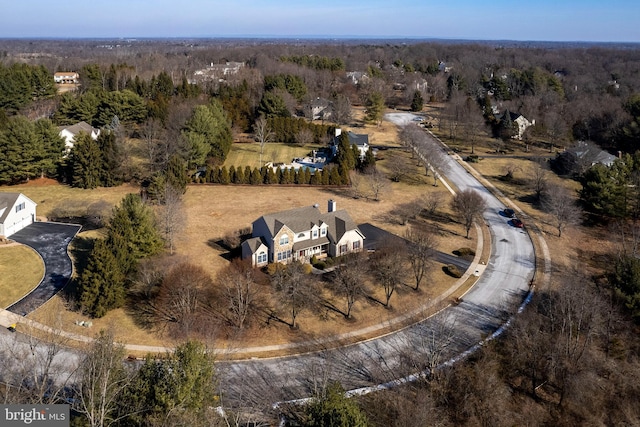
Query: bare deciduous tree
x=240, y=292
x=179, y=299
x=560, y=203
x=304, y=137
x=342, y=110
x=397, y=166
x=538, y=179
x=171, y=216
x=377, y=182
x=432, y=201
x=348, y=279
x=103, y=378
x=263, y=134
x=408, y=210
x=470, y=205
x=296, y=290
x=421, y=252
x=388, y=266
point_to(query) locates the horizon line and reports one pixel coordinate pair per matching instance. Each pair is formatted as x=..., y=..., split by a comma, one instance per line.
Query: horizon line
x=313, y=37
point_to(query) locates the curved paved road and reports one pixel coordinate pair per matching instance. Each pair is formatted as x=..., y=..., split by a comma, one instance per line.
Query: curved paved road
x=50, y=240
x=497, y=294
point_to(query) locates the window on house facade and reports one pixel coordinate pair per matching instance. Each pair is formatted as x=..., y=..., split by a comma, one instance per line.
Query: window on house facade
x=343, y=249
x=284, y=239
x=315, y=234
x=356, y=245
x=323, y=232
x=20, y=207
x=262, y=257
x=279, y=256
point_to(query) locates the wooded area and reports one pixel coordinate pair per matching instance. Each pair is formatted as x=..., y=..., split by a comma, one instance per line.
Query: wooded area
x=570, y=359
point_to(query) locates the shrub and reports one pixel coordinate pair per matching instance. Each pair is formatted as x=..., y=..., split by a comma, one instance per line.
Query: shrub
x=472, y=158
x=453, y=270
x=274, y=267
x=320, y=265
x=464, y=252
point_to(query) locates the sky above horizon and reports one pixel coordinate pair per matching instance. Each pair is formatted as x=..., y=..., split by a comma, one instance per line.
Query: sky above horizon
x=543, y=20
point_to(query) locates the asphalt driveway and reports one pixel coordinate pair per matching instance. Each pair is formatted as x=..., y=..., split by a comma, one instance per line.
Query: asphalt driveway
x=375, y=236
x=50, y=240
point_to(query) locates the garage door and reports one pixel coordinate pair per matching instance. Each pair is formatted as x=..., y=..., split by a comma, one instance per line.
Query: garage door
x=14, y=228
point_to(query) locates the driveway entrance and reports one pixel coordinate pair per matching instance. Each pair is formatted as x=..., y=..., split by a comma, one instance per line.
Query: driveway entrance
x=50, y=240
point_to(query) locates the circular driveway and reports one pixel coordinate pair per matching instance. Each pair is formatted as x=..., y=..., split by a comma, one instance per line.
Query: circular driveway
x=50, y=240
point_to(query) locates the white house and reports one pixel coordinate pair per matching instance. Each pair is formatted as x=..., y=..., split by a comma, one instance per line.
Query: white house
x=299, y=234
x=360, y=140
x=66, y=77
x=16, y=212
x=69, y=133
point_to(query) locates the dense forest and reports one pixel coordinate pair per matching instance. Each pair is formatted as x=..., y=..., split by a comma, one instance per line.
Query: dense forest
x=572, y=358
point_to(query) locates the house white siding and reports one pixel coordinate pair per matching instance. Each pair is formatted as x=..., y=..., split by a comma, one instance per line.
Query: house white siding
x=346, y=243
x=16, y=215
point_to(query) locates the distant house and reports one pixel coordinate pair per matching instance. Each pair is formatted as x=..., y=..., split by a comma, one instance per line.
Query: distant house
x=580, y=157
x=358, y=77
x=361, y=140
x=69, y=133
x=521, y=122
x=66, y=77
x=16, y=212
x=216, y=72
x=321, y=109
x=301, y=233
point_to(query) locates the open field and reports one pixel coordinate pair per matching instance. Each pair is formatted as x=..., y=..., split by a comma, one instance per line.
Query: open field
x=54, y=199
x=17, y=282
x=211, y=211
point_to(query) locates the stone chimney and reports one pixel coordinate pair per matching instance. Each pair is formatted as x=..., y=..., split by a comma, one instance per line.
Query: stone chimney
x=332, y=206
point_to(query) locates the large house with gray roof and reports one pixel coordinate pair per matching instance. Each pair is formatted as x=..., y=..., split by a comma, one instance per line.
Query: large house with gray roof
x=301, y=233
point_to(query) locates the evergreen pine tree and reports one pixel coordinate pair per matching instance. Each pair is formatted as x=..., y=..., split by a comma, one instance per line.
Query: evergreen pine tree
x=333, y=408
x=417, y=102
x=102, y=283
x=86, y=162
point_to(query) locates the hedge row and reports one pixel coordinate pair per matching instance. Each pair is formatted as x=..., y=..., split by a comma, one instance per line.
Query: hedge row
x=330, y=175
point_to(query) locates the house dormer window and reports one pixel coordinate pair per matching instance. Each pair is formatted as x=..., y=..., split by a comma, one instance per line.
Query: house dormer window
x=323, y=232
x=284, y=239
x=315, y=234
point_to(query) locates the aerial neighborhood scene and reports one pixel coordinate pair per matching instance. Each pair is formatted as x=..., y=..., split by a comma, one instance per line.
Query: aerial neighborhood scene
x=364, y=214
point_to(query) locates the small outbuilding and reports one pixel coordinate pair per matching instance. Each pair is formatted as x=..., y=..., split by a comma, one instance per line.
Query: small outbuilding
x=16, y=212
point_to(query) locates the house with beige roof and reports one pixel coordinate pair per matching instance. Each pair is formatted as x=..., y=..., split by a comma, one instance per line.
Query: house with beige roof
x=69, y=133
x=66, y=77
x=301, y=233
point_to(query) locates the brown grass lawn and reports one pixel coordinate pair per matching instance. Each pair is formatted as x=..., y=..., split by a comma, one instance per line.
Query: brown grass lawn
x=17, y=282
x=53, y=198
x=212, y=211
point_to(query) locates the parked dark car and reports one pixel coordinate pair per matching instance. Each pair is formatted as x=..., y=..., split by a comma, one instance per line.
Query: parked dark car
x=509, y=213
x=517, y=223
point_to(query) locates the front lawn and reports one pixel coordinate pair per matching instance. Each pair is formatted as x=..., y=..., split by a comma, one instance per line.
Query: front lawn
x=15, y=283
